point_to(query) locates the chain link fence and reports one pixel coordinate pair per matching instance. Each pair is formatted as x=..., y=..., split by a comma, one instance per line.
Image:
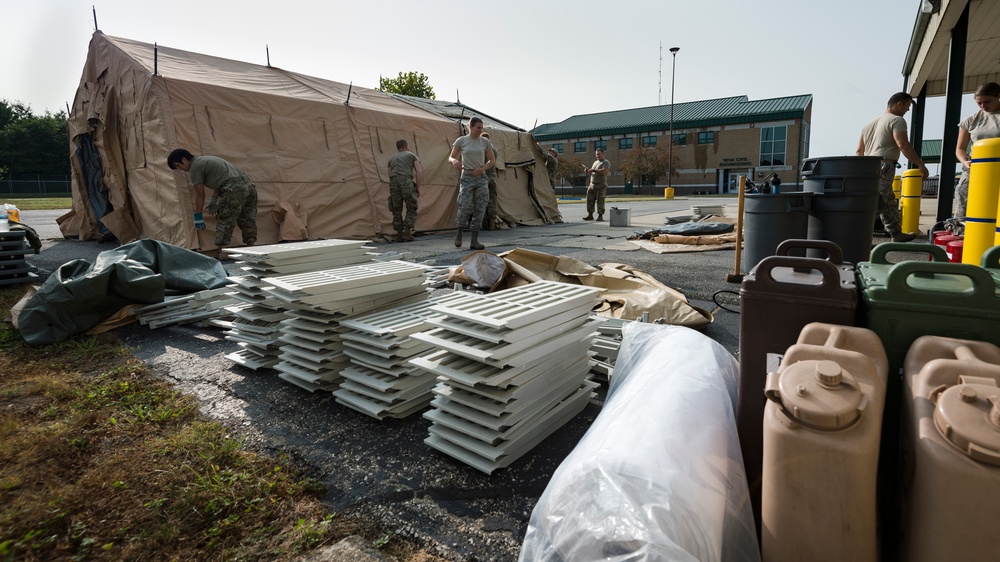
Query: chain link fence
x=35, y=185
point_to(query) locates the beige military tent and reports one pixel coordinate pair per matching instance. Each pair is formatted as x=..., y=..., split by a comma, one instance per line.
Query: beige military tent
x=316, y=149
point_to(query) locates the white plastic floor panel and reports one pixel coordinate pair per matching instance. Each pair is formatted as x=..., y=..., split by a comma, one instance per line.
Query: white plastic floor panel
x=421, y=390
x=375, y=301
x=261, y=314
x=497, y=401
x=317, y=345
x=374, y=360
x=320, y=359
x=306, y=385
x=513, y=355
x=252, y=360
x=479, y=411
x=408, y=348
x=403, y=320
x=472, y=372
x=400, y=371
x=487, y=459
x=377, y=409
x=304, y=263
x=383, y=382
x=498, y=335
x=328, y=376
x=520, y=306
x=347, y=279
x=288, y=250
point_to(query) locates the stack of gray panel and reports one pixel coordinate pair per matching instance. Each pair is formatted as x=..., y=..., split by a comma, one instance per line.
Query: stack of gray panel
x=380, y=382
x=14, y=268
x=512, y=369
x=256, y=328
x=204, y=306
x=312, y=351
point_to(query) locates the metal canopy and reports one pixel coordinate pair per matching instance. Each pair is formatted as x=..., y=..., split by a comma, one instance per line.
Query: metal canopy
x=927, y=57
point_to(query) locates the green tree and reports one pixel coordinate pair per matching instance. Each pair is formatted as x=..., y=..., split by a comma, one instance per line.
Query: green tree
x=571, y=169
x=32, y=144
x=409, y=84
x=646, y=165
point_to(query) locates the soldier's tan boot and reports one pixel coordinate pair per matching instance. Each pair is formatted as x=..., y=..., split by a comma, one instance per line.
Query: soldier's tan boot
x=474, y=242
x=458, y=238
x=407, y=235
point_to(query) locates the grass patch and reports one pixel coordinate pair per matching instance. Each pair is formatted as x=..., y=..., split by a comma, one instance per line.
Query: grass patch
x=101, y=460
x=40, y=203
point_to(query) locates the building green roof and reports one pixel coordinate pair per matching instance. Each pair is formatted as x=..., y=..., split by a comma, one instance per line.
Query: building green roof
x=687, y=115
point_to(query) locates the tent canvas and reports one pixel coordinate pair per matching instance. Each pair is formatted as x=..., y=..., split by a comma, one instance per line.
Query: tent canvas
x=316, y=149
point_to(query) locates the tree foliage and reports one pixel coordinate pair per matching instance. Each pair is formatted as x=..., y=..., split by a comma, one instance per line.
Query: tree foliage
x=571, y=170
x=646, y=165
x=409, y=84
x=32, y=144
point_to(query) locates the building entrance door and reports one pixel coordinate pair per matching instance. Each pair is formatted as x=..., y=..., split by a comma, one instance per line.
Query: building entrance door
x=732, y=180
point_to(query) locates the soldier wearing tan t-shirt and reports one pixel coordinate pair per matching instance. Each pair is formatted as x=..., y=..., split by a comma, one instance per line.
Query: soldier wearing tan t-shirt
x=886, y=138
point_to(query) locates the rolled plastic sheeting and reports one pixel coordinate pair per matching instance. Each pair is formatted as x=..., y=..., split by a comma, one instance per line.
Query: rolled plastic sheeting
x=659, y=474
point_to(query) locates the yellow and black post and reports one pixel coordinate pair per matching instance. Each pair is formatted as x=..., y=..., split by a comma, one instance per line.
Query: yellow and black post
x=913, y=184
x=981, y=211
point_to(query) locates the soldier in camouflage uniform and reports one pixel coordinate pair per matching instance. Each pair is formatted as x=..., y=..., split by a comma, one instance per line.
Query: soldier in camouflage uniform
x=490, y=219
x=551, y=162
x=598, y=188
x=403, y=191
x=234, y=202
x=473, y=155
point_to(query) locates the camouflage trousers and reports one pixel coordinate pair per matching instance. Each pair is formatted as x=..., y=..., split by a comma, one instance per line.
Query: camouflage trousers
x=490, y=219
x=402, y=194
x=889, y=209
x=962, y=194
x=473, y=196
x=235, y=204
x=595, y=197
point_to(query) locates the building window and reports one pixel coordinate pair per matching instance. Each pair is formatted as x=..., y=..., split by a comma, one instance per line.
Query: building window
x=558, y=147
x=680, y=139
x=648, y=142
x=805, y=140
x=579, y=147
x=772, y=145
x=625, y=144
x=706, y=137
x=600, y=145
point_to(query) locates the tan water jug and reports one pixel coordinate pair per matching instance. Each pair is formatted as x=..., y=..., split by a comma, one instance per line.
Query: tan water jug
x=822, y=427
x=951, y=445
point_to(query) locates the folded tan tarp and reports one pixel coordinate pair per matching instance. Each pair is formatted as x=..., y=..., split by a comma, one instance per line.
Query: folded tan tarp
x=627, y=292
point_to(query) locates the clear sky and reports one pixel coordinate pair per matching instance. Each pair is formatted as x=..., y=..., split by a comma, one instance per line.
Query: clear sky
x=521, y=62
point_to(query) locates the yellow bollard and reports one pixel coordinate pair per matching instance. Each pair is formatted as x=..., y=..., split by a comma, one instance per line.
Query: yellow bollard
x=668, y=193
x=981, y=211
x=913, y=183
x=896, y=189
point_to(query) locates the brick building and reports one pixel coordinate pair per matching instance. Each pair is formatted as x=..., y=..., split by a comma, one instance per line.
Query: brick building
x=715, y=141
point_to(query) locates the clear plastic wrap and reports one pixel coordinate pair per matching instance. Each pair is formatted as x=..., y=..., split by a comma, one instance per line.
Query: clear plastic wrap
x=659, y=475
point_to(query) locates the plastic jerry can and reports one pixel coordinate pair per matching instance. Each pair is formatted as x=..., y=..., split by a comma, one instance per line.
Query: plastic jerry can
x=951, y=445
x=822, y=427
x=778, y=298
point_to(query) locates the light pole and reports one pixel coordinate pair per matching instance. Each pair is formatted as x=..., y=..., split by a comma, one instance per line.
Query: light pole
x=670, y=147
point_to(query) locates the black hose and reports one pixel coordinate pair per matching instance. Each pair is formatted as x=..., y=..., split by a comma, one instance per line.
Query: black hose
x=715, y=299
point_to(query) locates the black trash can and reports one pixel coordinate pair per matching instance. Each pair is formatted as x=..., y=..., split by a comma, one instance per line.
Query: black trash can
x=844, y=202
x=768, y=220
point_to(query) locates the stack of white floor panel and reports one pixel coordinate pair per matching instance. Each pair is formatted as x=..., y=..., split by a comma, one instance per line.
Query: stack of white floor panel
x=380, y=382
x=512, y=369
x=204, y=306
x=257, y=327
x=312, y=351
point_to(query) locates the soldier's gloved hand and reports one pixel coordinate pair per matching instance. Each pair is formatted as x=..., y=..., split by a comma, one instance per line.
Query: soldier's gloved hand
x=416, y=188
x=213, y=206
x=199, y=222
